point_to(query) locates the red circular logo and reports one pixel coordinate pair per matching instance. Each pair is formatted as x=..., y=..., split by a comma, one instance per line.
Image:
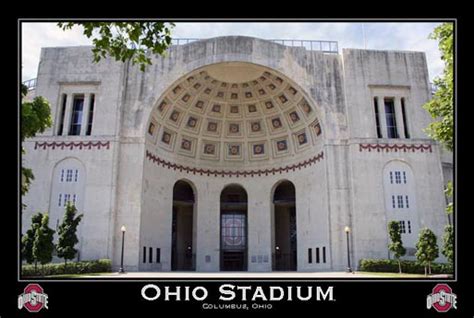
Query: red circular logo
x=442, y=298
x=33, y=298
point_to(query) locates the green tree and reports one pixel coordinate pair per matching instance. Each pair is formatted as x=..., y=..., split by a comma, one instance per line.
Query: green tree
x=440, y=106
x=35, y=118
x=396, y=245
x=126, y=40
x=448, y=244
x=426, y=248
x=28, y=239
x=67, y=233
x=43, y=245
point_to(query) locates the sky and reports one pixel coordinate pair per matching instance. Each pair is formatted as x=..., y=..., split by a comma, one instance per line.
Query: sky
x=379, y=36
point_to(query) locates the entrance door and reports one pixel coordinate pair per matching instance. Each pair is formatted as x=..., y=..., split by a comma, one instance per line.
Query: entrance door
x=233, y=222
x=234, y=243
x=182, y=255
x=285, y=234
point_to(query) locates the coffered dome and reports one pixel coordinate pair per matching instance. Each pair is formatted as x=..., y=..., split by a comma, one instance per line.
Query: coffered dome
x=234, y=113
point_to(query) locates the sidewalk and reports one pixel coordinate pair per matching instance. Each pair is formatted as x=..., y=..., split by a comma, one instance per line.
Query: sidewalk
x=262, y=275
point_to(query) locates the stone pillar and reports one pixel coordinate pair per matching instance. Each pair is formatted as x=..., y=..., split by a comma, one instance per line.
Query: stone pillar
x=208, y=227
x=399, y=118
x=85, y=113
x=68, y=114
x=382, y=117
x=259, y=228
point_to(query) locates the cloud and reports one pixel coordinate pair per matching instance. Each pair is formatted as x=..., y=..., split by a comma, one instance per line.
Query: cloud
x=384, y=36
x=36, y=35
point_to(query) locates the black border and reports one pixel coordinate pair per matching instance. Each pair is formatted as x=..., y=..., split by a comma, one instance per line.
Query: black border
x=357, y=295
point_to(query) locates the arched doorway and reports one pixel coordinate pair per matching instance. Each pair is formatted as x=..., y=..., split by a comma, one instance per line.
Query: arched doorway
x=284, y=227
x=182, y=254
x=233, y=221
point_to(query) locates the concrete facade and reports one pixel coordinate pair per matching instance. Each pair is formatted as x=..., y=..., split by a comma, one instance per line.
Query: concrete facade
x=319, y=132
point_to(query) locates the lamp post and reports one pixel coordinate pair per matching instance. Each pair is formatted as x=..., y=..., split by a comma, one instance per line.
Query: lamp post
x=123, y=229
x=347, y=230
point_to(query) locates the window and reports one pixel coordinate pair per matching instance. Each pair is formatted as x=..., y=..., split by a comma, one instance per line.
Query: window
x=59, y=201
x=400, y=201
x=75, y=175
x=62, y=175
x=391, y=177
x=317, y=255
x=76, y=116
x=409, y=226
x=404, y=117
x=393, y=201
x=406, y=201
x=404, y=177
x=91, y=115
x=74, y=199
x=68, y=175
x=377, y=122
x=310, y=256
x=144, y=254
x=61, y=115
x=324, y=254
x=398, y=178
x=158, y=255
x=66, y=199
x=390, y=118
x=402, y=227
x=150, y=255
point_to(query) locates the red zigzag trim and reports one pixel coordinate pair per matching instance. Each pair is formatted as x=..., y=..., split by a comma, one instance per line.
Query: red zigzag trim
x=223, y=173
x=71, y=145
x=395, y=147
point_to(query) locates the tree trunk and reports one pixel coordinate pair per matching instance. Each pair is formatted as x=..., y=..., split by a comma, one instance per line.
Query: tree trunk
x=399, y=266
x=425, y=271
x=429, y=268
x=36, y=267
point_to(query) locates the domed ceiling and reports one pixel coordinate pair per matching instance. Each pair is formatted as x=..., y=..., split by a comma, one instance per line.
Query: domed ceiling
x=232, y=112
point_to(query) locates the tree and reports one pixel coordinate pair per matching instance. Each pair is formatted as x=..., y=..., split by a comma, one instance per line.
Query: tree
x=43, y=245
x=426, y=248
x=28, y=239
x=440, y=106
x=67, y=233
x=396, y=246
x=126, y=40
x=35, y=118
x=448, y=244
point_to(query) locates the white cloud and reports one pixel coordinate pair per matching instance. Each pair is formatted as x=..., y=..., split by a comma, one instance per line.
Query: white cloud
x=390, y=36
x=36, y=35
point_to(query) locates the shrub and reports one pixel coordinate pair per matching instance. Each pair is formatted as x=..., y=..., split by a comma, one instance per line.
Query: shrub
x=97, y=266
x=391, y=266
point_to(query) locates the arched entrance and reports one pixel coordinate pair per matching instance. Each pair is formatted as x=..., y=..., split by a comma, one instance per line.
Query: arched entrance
x=233, y=221
x=284, y=227
x=182, y=253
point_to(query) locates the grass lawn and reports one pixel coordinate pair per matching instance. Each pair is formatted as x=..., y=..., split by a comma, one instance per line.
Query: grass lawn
x=76, y=275
x=396, y=275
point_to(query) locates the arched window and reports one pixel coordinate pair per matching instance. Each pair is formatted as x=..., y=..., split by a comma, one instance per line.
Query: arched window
x=68, y=185
x=400, y=200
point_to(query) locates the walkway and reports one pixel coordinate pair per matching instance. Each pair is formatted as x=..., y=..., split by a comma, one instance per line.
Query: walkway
x=272, y=275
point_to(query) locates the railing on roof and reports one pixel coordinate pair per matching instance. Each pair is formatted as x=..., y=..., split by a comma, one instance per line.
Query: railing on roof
x=30, y=84
x=312, y=45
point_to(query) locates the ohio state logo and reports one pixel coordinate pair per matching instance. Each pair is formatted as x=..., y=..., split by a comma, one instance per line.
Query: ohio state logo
x=33, y=298
x=442, y=298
